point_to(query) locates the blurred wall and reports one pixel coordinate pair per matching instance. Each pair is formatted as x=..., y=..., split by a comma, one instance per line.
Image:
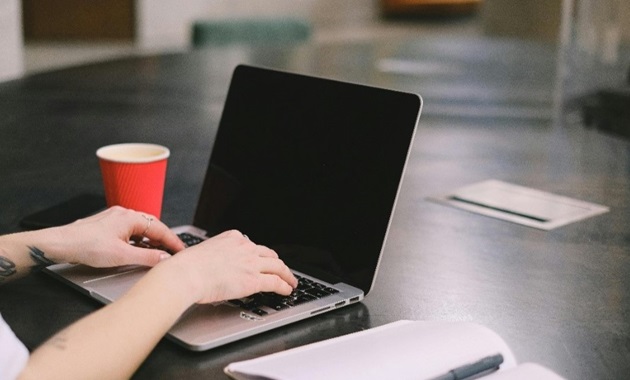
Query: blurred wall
x=78, y=20
x=11, y=43
x=535, y=19
x=166, y=23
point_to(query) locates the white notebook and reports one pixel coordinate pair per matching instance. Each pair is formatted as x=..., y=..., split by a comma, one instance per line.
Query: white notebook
x=399, y=350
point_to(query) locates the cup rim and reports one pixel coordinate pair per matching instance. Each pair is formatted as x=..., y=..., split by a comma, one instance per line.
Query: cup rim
x=104, y=152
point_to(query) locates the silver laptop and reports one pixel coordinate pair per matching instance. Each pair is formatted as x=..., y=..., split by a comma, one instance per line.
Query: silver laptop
x=307, y=166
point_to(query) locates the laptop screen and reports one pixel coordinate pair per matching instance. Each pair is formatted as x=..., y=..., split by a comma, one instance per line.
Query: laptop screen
x=309, y=167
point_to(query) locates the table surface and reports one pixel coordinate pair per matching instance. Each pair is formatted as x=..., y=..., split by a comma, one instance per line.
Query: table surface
x=559, y=297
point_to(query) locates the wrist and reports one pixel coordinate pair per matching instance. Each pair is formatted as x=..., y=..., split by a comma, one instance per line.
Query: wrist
x=25, y=252
x=48, y=246
x=181, y=279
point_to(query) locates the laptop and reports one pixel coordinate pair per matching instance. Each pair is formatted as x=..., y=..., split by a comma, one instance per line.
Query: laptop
x=310, y=167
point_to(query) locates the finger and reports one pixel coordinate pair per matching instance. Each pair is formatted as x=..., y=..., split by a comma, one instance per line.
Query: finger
x=273, y=283
x=278, y=268
x=157, y=233
x=263, y=251
x=131, y=255
x=143, y=223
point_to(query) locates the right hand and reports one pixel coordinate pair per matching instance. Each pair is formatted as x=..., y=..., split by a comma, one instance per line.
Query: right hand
x=229, y=266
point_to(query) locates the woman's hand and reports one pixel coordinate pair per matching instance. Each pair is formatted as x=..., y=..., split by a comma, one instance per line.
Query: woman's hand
x=102, y=240
x=229, y=266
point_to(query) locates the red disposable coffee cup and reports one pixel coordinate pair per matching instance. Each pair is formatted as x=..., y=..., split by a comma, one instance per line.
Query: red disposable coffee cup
x=134, y=176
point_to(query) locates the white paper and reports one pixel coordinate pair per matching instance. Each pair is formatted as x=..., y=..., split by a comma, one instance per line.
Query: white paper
x=518, y=204
x=399, y=350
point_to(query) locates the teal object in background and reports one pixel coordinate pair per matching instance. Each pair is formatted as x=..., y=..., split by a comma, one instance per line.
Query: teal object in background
x=249, y=31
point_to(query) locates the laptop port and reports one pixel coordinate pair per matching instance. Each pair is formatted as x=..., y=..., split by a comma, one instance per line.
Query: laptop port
x=354, y=299
x=320, y=310
x=340, y=303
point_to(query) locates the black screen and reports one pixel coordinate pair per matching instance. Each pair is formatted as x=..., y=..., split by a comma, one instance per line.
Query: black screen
x=309, y=167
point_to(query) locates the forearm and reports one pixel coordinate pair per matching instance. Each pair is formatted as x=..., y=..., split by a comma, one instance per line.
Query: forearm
x=24, y=252
x=112, y=342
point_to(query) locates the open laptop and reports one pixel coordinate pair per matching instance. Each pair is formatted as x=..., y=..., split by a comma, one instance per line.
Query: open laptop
x=307, y=166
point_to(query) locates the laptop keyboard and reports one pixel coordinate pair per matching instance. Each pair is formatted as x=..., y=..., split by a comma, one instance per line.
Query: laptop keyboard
x=264, y=303
x=306, y=291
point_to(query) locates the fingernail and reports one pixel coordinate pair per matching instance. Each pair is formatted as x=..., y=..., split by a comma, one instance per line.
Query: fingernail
x=164, y=256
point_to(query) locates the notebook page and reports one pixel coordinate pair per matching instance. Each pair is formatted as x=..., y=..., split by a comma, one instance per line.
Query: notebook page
x=401, y=350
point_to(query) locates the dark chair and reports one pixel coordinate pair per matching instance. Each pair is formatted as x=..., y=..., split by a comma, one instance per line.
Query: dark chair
x=250, y=31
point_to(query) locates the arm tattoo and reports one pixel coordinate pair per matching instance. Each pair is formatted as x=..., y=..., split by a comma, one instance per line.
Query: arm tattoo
x=39, y=257
x=59, y=341
x=7, y=268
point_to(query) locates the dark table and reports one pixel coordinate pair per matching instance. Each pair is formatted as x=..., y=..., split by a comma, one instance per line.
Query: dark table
x=560, y=298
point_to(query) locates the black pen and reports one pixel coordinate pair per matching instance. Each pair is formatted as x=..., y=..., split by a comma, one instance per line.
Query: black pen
x=473, y=369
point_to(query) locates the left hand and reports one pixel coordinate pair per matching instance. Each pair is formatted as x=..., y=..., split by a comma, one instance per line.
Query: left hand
x=102, y=240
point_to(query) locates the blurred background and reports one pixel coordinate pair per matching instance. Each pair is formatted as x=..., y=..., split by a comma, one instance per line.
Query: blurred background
x=40, y=35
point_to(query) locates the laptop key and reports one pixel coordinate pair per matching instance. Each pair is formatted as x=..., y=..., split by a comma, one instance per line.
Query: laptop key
x=189, y=240
x=252, y=305
x=259, y=312
x=273, y=301
x=315, y=292
x=302, y=299
x=237, y=302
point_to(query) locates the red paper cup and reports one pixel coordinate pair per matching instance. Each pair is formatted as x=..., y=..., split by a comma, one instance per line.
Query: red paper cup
x=134, y=176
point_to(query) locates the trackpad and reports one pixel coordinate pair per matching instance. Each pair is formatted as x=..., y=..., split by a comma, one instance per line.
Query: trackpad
x=111, y=287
